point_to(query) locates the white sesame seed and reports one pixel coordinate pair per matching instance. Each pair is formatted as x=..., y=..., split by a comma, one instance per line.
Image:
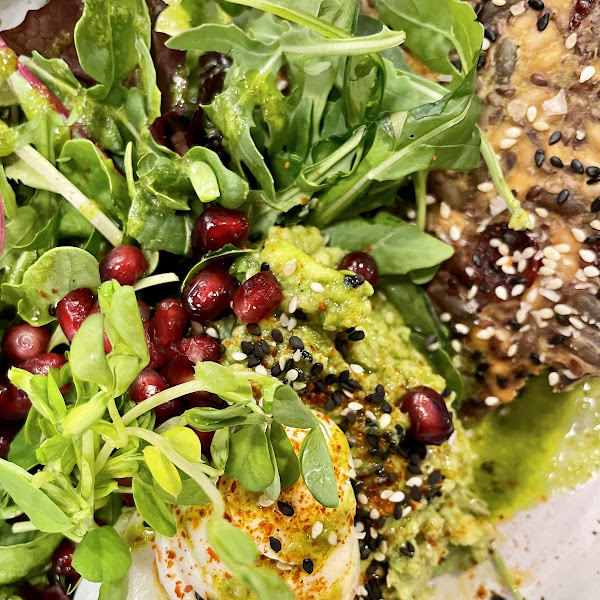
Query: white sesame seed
x=355, y=406
x=315, y=286
x=595, y=224
x=293, y=305
x=591, y=271
x=260, y=369
x=397, y=497
x=317, y=529
x=472, y=292
x=503, y=260
x=547, y=270
x=385, y=495
x=212, y=332
x=563, y=309
x=379, y=556
x=553, y=284
x=512, y=350
x=456, y=345
x=383, y=547
x=292, y=375
x=499, y=2
x=563, y=248
x=541, y=212
x=550, y=295
x=531, y=114
x=430, y=200
x=541, y=126
x=588, y=256
x=551, y=253
x=576, y=322
x=504, y=249
x=297, y=356
x=445, y=210
x=385, y=420
x=532, y=295
x=485, y=44
x=506, y=143
x=501, y=292
x=455, y=233
x=587, y=73
x=293, y=324
x=358, y=369
x=548, y=262
x=495, y=242
x=521, y=316
x=509, y=269
x=580, y=134
x=571, y=41
x=545, y=313
x=517, y=290
x=290, y=267
x=568, y=373
x=491, y=401
x=517, y=9
x=578, y=234
x=445, y=317
x=485, y=334
x=553, y=378
x=283, y=567
x=374, y=533
x=374, y=514
x=239, y=356
x=298, y=386
x=528, y=252
x=513, y=132
x=462, y=328
x=522, y=265
x=485, y=186
x=406, y=511
x=414, y=481
x=361, y=590
x=284, y=320
x=362, y=498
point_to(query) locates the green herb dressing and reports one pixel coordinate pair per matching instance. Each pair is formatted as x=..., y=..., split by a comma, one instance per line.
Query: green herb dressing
x=543, y=443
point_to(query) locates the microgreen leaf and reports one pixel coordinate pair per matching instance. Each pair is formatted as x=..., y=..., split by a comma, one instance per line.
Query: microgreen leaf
x=228, y=251
x=212, y=419
x=317, y=469
x=249, y=459
x=102, y=556
x=151, y=506
x=184, y=441
x=289, y=410
x=287, y=461
x=233, y=545
x=163, y=470
x=266, y=584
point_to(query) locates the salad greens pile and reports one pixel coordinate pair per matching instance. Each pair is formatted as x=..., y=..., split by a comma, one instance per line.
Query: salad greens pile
x=318, y=119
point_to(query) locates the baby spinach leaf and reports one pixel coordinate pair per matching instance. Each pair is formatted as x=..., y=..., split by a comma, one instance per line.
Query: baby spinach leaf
x=102, y=556
x=20, y=559
x=228, y=251
x=249, y=459
x=40, y=509
x=289, y=410
x=287, y=461
x=397, y=247
x=163, y=470
x=317, y=469
x=234, y=546
x=151, y=505
x=434, y=29
x=51, y=277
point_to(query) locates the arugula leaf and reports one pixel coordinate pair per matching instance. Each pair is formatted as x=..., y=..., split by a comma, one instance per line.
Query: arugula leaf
x=249, y=460
x=51, y=277
x=102, y=556
x=317, y=469
x=397, y=247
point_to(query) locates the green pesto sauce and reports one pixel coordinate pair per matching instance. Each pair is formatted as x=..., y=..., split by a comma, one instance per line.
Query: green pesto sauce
x=540, y=444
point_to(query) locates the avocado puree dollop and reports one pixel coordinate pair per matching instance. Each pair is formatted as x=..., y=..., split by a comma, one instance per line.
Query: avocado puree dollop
x=337, y=345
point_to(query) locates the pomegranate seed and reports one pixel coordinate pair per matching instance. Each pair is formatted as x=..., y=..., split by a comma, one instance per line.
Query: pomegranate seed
x=430, y=420
x=148, y=383
x=200, y=348
x=127, y=498
x=181, y=370
x=41, y=365
x=156, y=357
x=8, y=431
x=209, y=293
x=258, y=297
x=218, y=226
x=14, y=403
x=22, y=341
x=362, y=264
x=144, y=310
x=126, y=264
x=107, y=344
x=72, y=310
x=169, y=322
x=206, y=438
x=62, y=560
x=54, y=592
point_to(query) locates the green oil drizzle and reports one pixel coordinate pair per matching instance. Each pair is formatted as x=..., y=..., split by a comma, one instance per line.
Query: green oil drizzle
x=540, y=444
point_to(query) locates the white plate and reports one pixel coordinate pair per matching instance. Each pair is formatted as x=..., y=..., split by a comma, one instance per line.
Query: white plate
x=553, y=549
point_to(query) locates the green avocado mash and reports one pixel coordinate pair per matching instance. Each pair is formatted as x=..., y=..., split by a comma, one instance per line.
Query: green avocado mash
x=437, y=517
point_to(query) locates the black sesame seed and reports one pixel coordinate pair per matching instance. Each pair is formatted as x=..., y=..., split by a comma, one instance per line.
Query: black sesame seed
x=577, y=166
x=482, y=367
x=351, y=417
x=296, y=342
x=253, y=362
x=481, y=60
x=379, y=389
x=356, y=336
x=555, y=138
x=398, y=511
x=543, y=22
x=562, y=320
x=308, y=565
x=489, y=34
x=446, y=392
x=277, y=336
x=595, y=207
x=563, y=196
x=408, y=550
x=275, y=544
x=52, y=311
x=536, y=4
x=276, y=370
x=353, y=281
x=258, y=351
x=317, y=368
x=556, y=162
x=415, y=493
x=502, y=382
x=386, y=407
x=331, y=379
x=344, y=375
x=365, y=552
x=592, y=239
x=434, y=477
x=476, y=260
x=247, y=348
x=414, y=469
x=521, y=375
x=265, y=347
x=338, y=397
x=372, y=568
x=593, y=181
x=514, y=324
x=539, y=157
x=330, y=405
x=535, y=359
x=253, y=329
x=285, y=509
x=264, y=266
x=592, y=171
x=381, y=522
x=557, y=340
x=198, y=596
x=497, y=597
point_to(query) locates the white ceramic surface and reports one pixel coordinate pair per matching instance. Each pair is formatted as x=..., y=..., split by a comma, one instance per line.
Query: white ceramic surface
x=554, y=548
